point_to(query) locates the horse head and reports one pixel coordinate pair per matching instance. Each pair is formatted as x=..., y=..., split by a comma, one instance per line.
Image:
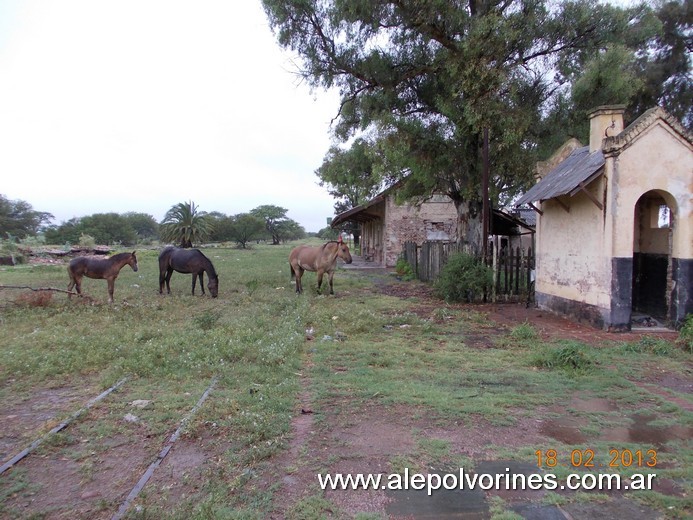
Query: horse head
x=343, y=251
x=133, y=262
x=213, y=285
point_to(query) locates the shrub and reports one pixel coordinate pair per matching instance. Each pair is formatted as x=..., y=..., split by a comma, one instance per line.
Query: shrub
x=86, y=240
x=463, y=278
x=10, y=251
x=404, y=270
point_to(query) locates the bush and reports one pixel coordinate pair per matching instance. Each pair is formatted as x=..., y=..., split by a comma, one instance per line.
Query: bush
x=87, y=240
x=11, y=253
x=463, y=278
x=404, y=270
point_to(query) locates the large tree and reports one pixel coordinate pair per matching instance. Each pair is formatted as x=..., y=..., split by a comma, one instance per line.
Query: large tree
x=665, y=63
x=184, y=224
x=424, y=79
x=18, y=218
x=649, y=66
x=350, y=177
x=145, y=225
x=273, y=217
x=246, y=227
x=108, y=228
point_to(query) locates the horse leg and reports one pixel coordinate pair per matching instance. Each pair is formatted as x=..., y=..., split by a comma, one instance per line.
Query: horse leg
x=299, y=274
x=194, y=282
x=202, y=285
x=320, y=273
x=169, y=273
x=162, y=281
x=111, y=286
x=330, y=275
x=70, y=286
x=75, y=282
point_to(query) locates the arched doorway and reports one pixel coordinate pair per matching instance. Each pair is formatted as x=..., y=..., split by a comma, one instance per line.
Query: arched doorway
x=652, y=248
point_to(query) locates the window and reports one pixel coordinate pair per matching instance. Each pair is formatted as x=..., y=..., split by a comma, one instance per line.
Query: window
x=664, y=218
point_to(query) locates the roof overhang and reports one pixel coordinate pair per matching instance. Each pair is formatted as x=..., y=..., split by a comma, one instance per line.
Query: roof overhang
x=568, y=178
x=362, y=213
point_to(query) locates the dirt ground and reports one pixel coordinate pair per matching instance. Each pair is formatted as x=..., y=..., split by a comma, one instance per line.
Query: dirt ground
x=361, y=439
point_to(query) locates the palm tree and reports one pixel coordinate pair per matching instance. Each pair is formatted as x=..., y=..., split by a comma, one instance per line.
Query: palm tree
x=185, y=224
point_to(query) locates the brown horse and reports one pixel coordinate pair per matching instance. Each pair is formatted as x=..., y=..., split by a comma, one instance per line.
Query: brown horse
x=322, y=259
x=187, y=261
x=99, y=268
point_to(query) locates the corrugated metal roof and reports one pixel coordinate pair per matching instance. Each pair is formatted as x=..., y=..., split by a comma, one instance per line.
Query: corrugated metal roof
x=579, y=167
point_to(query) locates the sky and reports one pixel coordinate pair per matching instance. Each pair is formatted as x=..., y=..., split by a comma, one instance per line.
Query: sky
x=138, y=105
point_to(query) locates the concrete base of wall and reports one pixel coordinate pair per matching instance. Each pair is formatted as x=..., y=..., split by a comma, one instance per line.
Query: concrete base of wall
x=682, y=293
x=582, y=312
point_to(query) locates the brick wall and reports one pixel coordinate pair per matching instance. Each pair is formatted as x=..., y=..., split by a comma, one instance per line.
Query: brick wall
x=435, y=219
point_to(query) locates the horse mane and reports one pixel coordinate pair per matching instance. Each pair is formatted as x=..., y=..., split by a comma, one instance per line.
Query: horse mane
x=119, y=256
x=209, y=266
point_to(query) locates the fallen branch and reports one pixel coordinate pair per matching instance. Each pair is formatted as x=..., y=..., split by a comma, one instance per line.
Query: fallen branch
x=38, y=289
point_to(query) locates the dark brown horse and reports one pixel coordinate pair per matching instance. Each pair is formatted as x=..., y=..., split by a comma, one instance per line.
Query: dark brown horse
x=100, y=268
x=322, y=259
x=187, y=261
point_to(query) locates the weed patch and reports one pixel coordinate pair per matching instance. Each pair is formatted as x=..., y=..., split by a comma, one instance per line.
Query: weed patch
x=567, y=355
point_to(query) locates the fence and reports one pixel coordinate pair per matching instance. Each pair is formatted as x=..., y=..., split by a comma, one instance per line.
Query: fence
x=513, y=268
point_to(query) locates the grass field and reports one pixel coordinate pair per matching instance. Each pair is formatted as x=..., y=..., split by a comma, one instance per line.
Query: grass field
x=357, y=358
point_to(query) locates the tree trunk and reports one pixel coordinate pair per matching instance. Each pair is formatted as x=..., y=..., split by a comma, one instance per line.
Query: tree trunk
x=469, y=225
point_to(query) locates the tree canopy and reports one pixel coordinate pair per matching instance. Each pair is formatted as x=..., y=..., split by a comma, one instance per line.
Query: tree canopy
x=18, y=218
x=422, y=80
x=274, y=217
x=105, y=228
x=184, y=224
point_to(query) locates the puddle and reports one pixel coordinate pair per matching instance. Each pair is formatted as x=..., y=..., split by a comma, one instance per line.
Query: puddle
x=642, y=432
x=465, y=504
x=537, y=512
x=564, y=429
x=442, y=504
x=617, y=509
x=567, y=430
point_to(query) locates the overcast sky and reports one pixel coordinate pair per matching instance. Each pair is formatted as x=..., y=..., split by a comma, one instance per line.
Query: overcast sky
x=137, y=105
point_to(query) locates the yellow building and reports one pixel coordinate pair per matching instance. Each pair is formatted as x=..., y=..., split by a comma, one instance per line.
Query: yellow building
x=615, y=223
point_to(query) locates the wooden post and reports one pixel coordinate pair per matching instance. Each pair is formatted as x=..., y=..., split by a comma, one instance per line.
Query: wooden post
x=517, y=271
x=486, y=213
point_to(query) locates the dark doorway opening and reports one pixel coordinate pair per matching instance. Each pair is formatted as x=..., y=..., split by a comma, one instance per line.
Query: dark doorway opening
x=652, y=256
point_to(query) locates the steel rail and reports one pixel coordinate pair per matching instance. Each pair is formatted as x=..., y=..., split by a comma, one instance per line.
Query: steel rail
x=160, y=457
x=19, y=456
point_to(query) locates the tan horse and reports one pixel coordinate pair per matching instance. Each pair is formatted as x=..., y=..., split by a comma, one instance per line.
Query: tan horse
x=322, y=259
x=100, y=268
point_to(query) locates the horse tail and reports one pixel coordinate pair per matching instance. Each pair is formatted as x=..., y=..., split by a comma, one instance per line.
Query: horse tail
x=291, y=270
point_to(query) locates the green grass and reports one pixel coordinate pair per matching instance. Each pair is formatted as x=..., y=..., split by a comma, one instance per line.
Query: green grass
x=369, y=350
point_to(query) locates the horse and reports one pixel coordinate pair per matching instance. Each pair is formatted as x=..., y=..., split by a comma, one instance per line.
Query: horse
x=322, y=259
x=99, y=268
x=187, y=261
